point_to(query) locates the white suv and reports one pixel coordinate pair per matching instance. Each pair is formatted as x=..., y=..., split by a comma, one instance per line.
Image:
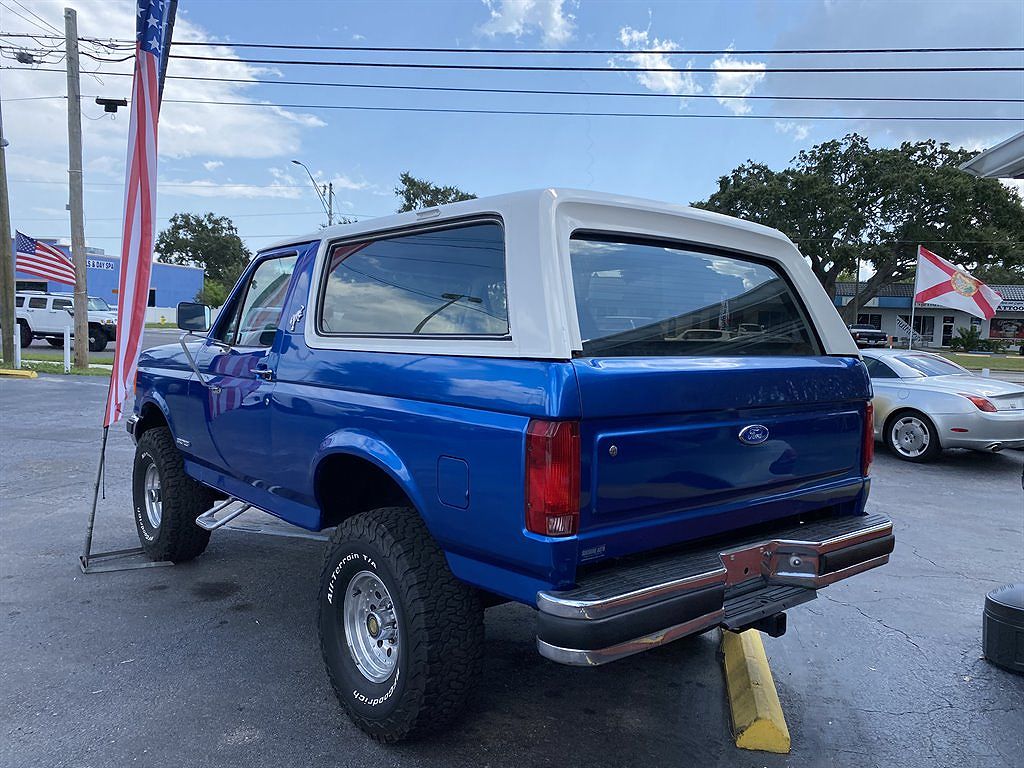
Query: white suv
x=45, y=315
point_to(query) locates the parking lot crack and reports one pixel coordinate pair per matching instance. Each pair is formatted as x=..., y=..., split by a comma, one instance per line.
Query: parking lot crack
x=877, y=620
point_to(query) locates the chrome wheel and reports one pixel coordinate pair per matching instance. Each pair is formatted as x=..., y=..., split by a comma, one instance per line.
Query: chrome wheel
x=910, y=437
x=154, y=497
x=371, y=626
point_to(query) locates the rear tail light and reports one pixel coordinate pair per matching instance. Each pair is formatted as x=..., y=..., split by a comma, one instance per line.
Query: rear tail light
x=553, y=477
x=983, y=403
x=868, y=452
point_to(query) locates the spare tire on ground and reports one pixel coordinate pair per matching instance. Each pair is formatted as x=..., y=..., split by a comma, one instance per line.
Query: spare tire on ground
x=1003, y=628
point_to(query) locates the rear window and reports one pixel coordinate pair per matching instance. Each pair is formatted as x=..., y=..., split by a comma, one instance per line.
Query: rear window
x=640, y=298
x=927, y=365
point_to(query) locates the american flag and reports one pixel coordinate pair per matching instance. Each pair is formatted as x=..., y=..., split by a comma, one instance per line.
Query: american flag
x=42, y=260
x=139, y=202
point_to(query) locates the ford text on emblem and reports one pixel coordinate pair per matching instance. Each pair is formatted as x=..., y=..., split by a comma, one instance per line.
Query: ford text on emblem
x=753, y=434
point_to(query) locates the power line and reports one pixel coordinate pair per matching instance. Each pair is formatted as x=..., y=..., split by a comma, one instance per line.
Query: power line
x=59, y=35
x=555, y=92
x=573, y=113
x=543, y=68
x=29, y=21
x=569, y=51
x=570, y=113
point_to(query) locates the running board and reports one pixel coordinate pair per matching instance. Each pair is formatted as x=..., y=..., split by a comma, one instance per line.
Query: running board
x=208, y=521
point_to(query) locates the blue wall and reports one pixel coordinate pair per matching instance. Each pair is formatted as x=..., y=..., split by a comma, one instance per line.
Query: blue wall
x=171, y=282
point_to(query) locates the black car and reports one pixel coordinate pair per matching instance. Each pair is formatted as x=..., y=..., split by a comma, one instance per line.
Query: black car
x=868, y=336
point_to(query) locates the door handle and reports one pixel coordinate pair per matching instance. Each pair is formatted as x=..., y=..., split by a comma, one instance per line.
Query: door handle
x=264, y=373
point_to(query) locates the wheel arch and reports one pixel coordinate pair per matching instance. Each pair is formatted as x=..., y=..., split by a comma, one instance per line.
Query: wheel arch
x=355, y=472
x=153, y=413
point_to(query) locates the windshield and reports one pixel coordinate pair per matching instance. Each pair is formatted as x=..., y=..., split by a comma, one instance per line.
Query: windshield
x=929, y=365
x=638, y=298
x=98, y=305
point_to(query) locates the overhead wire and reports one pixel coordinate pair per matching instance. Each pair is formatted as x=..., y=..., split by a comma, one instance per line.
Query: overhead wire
x=123, y=42
x=561, y=92
x=550, y=68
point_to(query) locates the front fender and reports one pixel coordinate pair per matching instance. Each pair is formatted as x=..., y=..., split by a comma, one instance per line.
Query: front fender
x=155, y=399
x=370, y=447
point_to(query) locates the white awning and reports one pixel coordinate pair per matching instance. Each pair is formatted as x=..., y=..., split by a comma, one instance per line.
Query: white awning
x=1003, y=161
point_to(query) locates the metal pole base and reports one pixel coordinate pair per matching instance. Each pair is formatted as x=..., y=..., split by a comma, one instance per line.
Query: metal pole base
x=104, y=562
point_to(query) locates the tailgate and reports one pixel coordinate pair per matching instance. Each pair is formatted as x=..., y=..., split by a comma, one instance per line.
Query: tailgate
x=674, y=449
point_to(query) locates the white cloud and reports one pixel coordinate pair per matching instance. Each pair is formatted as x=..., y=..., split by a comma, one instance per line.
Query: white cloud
x=548, y=18
x=678, y=83
x=204, y=188
x=358, y=38
x=735, y=83
x=799, y=131
x=212, y=165
x=186, y=130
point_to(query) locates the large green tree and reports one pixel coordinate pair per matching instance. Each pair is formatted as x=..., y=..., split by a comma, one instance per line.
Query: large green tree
x=420, y=193
x=844, y=201
x=207, y=241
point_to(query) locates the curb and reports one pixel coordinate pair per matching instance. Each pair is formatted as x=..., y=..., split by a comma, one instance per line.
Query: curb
x=23, y=373
x=757, y=719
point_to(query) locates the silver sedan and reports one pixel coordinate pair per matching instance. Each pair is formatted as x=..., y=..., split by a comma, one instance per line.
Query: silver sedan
x=924, y=403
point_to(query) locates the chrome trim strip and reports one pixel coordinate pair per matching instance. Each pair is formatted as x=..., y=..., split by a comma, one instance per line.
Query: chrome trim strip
x=550, y=603
x=817, y=582
x=578, y=658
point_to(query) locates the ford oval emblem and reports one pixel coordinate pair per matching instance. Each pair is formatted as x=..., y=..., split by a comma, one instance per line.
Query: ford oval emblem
x=753, y=434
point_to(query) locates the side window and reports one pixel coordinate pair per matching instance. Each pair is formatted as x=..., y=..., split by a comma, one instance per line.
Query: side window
x=437, y=282
x=37, y=302
x=19, y=301
x=879, y=370
x=62, y=304
x=256, y=321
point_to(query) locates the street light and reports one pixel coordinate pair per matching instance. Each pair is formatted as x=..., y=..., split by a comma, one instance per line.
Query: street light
x=328, y=202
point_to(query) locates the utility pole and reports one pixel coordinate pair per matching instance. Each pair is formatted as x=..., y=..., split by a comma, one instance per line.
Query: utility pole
x=75, y=203
x=7, y=322
x=330, y=204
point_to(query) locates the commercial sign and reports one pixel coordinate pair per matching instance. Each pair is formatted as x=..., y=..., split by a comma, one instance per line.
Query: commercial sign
x=100, y=264
x=1006, y=328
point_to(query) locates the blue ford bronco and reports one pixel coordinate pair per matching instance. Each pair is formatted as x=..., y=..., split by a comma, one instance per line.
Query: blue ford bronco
x=642, y=420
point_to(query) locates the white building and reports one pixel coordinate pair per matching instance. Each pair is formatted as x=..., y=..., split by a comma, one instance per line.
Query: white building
x=890, y=312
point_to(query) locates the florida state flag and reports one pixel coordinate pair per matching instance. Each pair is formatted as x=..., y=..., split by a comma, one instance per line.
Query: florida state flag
x=941, y=282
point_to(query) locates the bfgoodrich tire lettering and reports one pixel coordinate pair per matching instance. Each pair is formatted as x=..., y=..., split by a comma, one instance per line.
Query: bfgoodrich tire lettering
x=439, y=626
x=171, y=534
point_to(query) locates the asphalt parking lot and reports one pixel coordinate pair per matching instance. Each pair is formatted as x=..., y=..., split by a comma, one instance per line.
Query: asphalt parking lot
x=216, y=662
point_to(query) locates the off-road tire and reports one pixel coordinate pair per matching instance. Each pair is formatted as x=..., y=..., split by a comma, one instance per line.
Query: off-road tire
x=440, y=625
x=24, y=334
x=97, y=339
x=177, y=537
x=934, y=445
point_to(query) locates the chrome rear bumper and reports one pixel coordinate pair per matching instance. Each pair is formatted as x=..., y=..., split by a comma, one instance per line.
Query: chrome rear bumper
x=635, y=606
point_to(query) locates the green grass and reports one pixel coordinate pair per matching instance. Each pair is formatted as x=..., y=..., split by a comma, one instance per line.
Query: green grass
x=40, y=366
x=1012, y=362
x=103, y=358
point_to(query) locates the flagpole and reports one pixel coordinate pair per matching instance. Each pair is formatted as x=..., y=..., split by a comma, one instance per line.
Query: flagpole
x=913, y=300
x=99, y=564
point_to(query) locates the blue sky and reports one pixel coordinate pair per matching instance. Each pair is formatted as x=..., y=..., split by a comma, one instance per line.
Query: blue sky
x=235, y=160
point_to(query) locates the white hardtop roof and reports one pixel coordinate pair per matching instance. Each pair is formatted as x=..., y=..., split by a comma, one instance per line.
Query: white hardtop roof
x=548, y=198
x=539, y=225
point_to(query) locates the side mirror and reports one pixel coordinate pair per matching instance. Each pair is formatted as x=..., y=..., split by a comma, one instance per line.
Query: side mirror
x=193, y=317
